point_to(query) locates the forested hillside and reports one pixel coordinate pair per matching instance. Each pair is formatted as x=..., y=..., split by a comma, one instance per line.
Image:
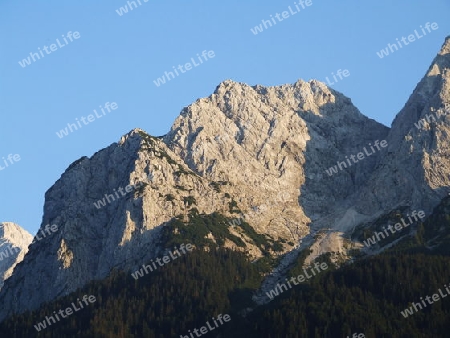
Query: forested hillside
x=367, y=297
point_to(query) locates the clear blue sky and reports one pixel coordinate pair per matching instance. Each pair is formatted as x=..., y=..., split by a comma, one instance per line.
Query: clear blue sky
x=116, y=59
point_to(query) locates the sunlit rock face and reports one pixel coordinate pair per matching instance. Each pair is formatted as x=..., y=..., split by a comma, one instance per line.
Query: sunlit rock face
x=14, y=243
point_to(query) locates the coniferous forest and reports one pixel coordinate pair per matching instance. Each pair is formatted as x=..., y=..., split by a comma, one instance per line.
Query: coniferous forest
x=363, y=297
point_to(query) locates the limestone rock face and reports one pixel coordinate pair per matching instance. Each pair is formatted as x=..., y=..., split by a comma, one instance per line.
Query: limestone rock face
x=268, y=147
x=109, y=210
x=268, y=150
x=416, y=170
x=14, y=242
x=274, y=144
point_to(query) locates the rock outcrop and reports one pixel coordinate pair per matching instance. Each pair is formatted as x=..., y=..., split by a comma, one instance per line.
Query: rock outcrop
x=14, y=242
x=414, y=171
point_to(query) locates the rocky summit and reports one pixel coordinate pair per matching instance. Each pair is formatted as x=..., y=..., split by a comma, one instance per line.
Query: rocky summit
x=299, y=163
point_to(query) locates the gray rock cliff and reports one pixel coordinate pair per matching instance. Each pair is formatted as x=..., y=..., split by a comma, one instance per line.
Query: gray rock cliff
x=414, y=171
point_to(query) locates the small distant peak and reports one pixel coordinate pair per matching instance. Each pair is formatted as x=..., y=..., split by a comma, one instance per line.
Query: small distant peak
x=5, y=226
x=12, y=231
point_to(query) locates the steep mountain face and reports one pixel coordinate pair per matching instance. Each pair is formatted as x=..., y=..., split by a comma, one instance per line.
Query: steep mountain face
x=109, y=210
x=260, y=153
x=14, y=242
x=415, y=170
x=412, y=174
x=212, y=162
x=277, y=139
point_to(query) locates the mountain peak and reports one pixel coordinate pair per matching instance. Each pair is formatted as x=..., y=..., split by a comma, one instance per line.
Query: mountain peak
x=11, y=231
x=136, y=133
x=430, y=94
x=226, y=85
x=14, y=242
x=445, y=47
x=441, y=61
